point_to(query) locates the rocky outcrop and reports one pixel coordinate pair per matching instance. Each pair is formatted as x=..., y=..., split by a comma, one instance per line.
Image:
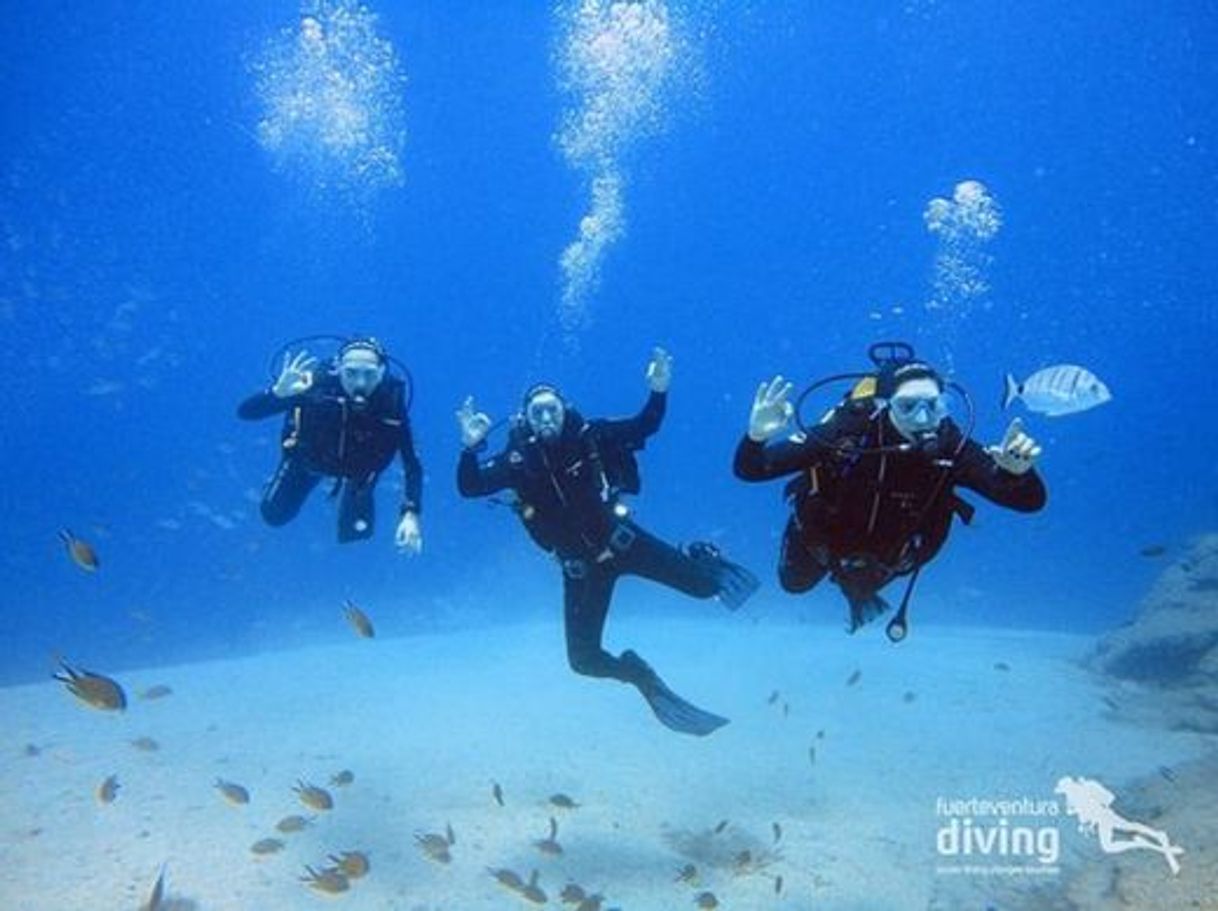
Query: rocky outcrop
x=1169, y=652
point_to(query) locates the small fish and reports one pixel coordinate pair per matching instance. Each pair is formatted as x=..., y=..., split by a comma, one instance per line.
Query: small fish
x=313, y=797
x=80, y=552
x=854, y=678
x=156, y=899
x=550, y=845
x=572, y=894
x=777, y=829
x=687, y=874
x=533, y=892
x=31, y=750
x=773, y=698
x=909, y=696
x=108, y=789
x=1058, y=390
x=265, y=846
x=342, y=779
x=507, y=878
x=449, y=834
x=706, y=901
x=719, y=828
x=591, y=903
x=291, y=824
x=351, y=864
x=497, y=793
x=743, y=861
x=786, y=709
x=1167, y=773
x=820, y=735
x=358, y=619
x=1153, y=550
x=1001, y=666
x=94, y=690
x=563, y=802
x=1111, y=703
x=145, y=744
x=434, y=847
x=811, y=755
x=778, y=885
x=328, y=881
x=233, y=793
x=160, y=691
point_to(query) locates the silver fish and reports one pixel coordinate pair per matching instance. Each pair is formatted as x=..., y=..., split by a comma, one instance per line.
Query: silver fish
x=1058, y=390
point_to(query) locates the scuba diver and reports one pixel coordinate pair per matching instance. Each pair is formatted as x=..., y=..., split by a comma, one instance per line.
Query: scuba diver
x=874, y=487
x=345, y=422
x=567, y=474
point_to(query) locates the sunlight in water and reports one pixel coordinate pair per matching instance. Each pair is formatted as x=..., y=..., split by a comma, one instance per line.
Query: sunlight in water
x=330, y=88
x=619, y=64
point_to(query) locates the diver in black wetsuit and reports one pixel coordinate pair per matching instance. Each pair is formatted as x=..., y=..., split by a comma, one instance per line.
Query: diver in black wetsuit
x=874, y=491
x=346, y=423
x=567, y=473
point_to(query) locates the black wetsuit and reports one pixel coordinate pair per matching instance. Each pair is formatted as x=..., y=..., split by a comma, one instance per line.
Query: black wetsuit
x=867, y=517
x=566, y=495
x=327, y=434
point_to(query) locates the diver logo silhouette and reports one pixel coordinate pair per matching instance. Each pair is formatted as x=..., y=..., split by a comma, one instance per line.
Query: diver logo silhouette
x=1091, y=802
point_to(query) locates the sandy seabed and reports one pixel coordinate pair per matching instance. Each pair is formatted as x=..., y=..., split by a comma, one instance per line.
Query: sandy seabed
x=828, y=775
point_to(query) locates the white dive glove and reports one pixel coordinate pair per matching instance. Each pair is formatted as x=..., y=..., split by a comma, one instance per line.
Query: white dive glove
x=771, y=409
x=296, y=376
x=409, y=536
x=659, y=370
x=475, y=425
x=1017, y=452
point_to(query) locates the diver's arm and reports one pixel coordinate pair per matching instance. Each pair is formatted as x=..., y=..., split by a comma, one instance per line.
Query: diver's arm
x=262, y=405
x=977, y=470
x=756, y=461
x=634, y=431
x=412, y=471
x=479, y=479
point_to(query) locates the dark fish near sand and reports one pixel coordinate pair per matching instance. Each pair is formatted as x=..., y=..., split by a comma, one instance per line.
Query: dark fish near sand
x=232, y=792
x=265, y=846
x=550, y=845
x=156, y=899
x=507, y=878
x=80, y=552
x=160, y=691
x=777, y=829
x=706, y=901
x=342, y=779
x=95, y=690
x=313, y=797
x=108, y=790
x=773, y=698
x=1153, y=550
x=1058, y=390
x=328, y=882
x=359, y=620
x=145, y=744
x=497, y=793
x=854, y=678
x=351, y=864
x=721, y=826
x=572, y=894
x=563, y=802
x=291, y=824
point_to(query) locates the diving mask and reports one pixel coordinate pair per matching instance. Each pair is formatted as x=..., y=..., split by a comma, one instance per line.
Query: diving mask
x=545, y=413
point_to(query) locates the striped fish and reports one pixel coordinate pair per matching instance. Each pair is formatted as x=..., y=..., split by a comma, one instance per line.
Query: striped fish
x=1058, y=390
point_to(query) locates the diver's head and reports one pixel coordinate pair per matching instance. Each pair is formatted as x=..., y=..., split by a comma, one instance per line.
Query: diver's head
x=361, y=367
x=544, y=412
x=917, y=401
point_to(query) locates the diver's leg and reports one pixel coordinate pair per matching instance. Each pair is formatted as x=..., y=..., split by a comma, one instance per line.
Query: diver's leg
x=286, y=492
x=799, y=568
x=700, y=571
x=587, y=591
x=356, y=510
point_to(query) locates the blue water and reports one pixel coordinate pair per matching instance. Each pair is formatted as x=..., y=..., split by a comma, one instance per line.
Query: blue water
x=149, y=244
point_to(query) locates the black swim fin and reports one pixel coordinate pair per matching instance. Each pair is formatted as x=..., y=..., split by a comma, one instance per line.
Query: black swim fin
x=736, y=584
x=672, y=711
